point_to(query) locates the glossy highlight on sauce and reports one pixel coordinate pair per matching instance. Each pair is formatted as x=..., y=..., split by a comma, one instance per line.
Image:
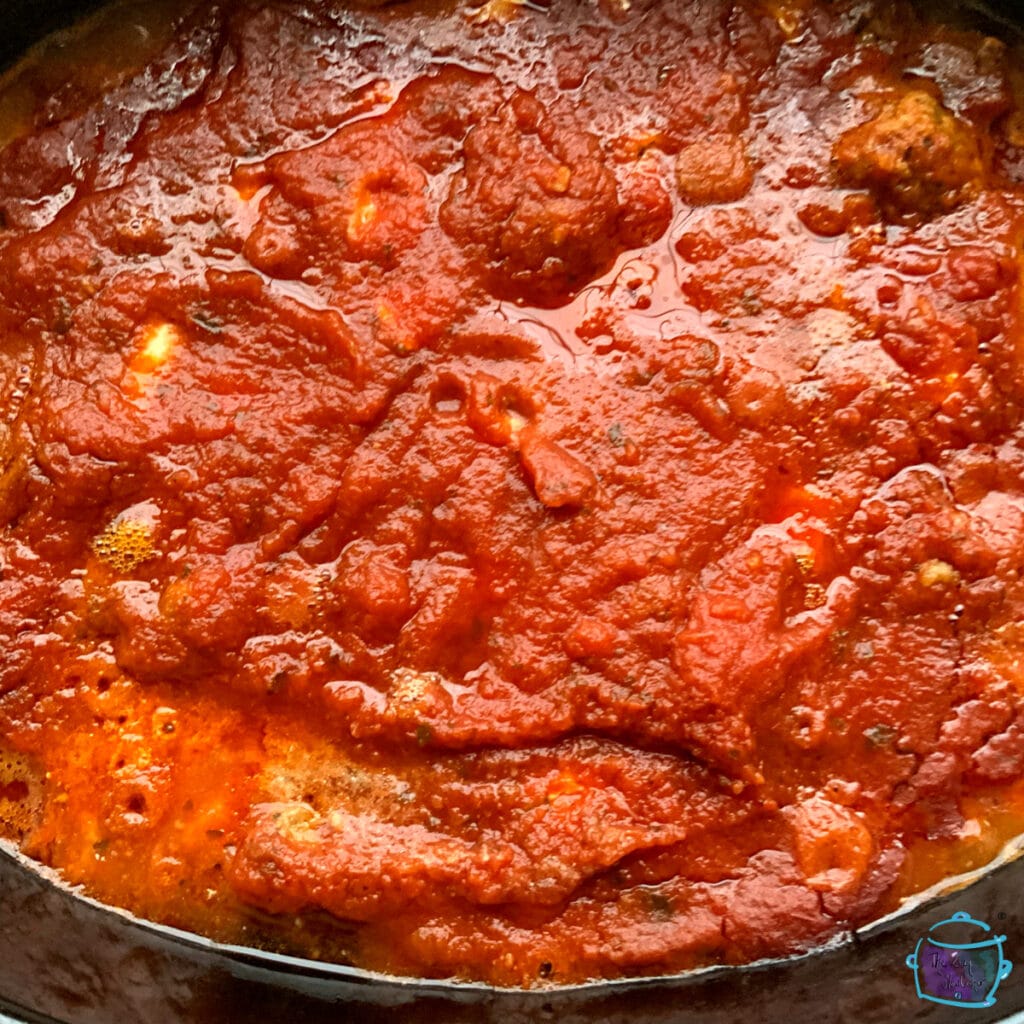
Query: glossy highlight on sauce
x=520, y=492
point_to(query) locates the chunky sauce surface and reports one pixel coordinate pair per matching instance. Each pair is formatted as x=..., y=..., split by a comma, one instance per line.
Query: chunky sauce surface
x=518, y=492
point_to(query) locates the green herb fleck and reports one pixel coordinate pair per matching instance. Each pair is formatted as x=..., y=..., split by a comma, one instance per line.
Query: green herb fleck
x=207, y=322
x=661, y=906
x=880, y=735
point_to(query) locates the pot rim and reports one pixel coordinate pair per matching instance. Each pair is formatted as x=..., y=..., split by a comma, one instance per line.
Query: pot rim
x=252, y=956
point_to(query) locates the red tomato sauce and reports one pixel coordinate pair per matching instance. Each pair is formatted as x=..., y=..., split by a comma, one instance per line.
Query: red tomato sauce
x=524, y=492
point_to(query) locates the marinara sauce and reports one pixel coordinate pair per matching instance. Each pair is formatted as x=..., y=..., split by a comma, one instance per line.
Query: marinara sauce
x=519, y=491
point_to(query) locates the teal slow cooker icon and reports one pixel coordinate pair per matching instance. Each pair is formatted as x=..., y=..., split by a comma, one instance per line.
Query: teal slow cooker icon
x=960, y=965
